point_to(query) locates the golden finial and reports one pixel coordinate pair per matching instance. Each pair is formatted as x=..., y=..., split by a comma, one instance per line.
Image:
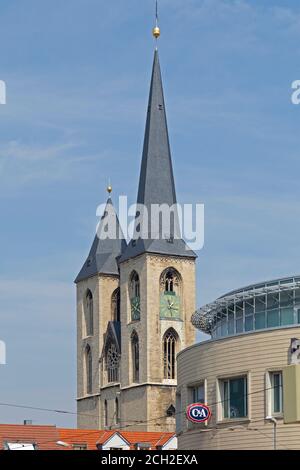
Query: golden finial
x=156, y=30
x=109, y=187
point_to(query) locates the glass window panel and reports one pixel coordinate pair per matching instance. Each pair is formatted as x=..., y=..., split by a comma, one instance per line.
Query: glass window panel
x=286, y=298
x=20, y=446
x=239, y=325
x=276, y=383
x=225, y=399
x=260, y=304
x=230, y=323
x=272, y=301
x=239, y=310
x=218, y=330
x=198, y=394
x=260, y=321
x=287, y=316
x=273, y=318
x=224, y=327
x=297, y=294
x=249, y=306
x=238, y=398
x=249, y=323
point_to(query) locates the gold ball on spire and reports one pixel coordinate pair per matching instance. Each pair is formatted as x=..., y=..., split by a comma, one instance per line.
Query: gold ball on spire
x=109, y=189
x=156, y=32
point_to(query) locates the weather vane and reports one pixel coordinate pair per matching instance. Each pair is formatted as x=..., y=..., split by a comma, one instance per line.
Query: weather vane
x=156, y=30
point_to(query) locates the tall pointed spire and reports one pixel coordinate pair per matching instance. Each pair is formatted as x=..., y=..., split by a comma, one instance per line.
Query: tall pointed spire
x=156, y=184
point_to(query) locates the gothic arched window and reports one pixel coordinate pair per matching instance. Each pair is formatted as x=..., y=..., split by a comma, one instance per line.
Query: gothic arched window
x=135, y=354
x=89, y=313
x=170, y=281
x=89, y=369
x=169, y=345
x=134, y=285
x=134, y=293
x=115, y=305
x=112, y=363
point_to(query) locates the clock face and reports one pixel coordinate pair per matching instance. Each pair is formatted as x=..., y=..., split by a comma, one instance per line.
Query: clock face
x=135, y=309
x=169, y=306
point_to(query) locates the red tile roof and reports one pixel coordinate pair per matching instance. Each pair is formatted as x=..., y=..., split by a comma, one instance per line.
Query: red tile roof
x=80, y=437
x=46, y=437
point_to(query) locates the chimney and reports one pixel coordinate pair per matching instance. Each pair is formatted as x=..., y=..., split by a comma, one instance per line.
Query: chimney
x=27, y=422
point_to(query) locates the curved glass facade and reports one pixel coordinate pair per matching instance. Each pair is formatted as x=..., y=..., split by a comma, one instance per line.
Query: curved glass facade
x=258, y=307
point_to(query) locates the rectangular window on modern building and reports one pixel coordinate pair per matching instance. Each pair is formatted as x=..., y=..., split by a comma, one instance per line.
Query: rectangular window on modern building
x=275, y=393
x=231, y=323
x=197, y=394
x=239, y=321
x=287, y=316
x=234, y=398
x=273, y=318
x=260, y=321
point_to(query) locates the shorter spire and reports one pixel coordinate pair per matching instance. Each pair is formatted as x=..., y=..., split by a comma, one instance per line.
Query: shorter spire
x=105, y=251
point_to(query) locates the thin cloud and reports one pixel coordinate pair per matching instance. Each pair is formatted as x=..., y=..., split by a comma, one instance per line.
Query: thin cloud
x=22, y=163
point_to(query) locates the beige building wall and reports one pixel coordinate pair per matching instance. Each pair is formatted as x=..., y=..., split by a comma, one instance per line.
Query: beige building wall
x=142, y=406
x=253, y=355
x=89, y=405
x=153, y=395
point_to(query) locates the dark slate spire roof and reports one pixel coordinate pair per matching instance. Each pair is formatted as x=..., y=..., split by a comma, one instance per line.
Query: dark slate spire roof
x=156, y=178
x=103, y=255
x=156, y=185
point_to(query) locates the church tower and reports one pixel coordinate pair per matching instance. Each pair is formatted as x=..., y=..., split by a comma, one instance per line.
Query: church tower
x=142, y=296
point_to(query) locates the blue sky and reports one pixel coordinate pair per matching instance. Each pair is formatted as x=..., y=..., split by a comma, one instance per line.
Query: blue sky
x=77, y=75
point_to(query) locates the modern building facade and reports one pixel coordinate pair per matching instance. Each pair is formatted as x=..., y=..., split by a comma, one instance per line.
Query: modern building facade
x=239, y=371
x=134, y=303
